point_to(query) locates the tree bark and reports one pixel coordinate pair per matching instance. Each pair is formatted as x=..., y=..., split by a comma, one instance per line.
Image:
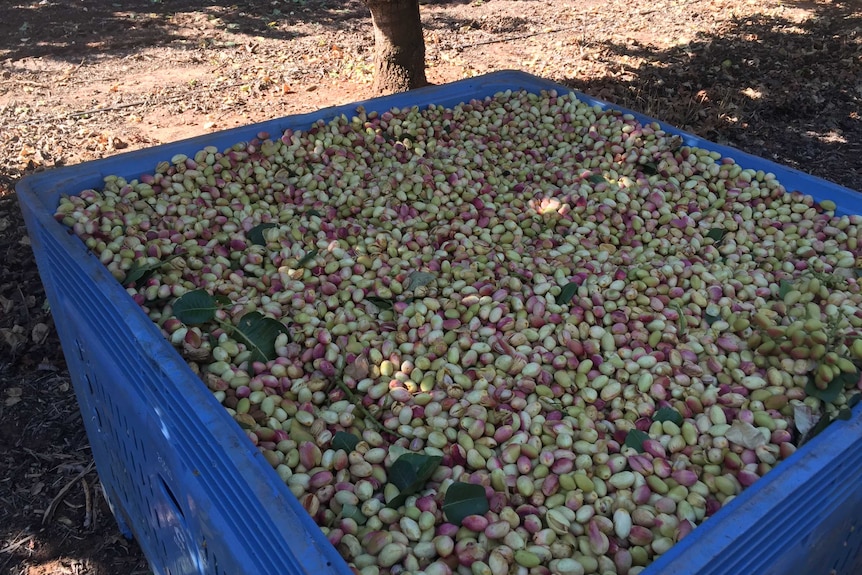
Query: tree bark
x=399, y=47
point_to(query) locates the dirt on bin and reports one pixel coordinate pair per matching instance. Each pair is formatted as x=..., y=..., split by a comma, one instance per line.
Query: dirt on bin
x=91, y=78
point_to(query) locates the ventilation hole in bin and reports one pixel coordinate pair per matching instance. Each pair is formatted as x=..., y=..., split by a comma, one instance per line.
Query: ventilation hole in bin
x=164, y=553
x=98, y=415
x=89, y=384
x=173, y=497
x=211, y=559
x=139, y=443
x=215, y=567
x=80, y=349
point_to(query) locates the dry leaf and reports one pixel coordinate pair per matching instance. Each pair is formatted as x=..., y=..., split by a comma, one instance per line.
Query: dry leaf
x=40, y=333
x=6, y=304
x=804, y=418
x=745, y=434
x=14, y=394
x=13, y=338
x=358, y=369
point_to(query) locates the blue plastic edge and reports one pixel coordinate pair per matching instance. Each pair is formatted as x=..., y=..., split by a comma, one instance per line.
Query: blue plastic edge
x=254, y=487
x=744, y=530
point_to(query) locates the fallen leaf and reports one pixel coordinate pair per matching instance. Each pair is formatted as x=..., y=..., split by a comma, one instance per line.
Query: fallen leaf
x=745, y=434
x=418, y=279
x=358, y=369
x=13, y=338
x=14, y=394
x=804, y=418
x=40, y=333
x=46, y=365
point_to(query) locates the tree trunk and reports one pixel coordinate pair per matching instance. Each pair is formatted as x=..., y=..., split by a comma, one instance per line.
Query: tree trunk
x=399, y=48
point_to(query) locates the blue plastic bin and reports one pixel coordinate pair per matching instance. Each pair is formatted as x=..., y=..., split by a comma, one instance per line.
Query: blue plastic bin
x=183, y=479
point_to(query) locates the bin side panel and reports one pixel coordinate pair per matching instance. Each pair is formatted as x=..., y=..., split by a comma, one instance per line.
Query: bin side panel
x=807, y=514
x=160, y=475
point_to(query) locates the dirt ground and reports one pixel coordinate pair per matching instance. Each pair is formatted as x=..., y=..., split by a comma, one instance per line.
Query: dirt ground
x=89, y=78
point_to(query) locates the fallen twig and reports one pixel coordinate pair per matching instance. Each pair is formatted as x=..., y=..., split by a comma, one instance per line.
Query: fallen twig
x=13, y=546
x=88, y=504
x=516, y=37
x=152, y=100
x=49, y=513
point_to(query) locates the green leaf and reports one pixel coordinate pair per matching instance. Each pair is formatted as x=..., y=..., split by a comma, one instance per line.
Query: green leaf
x=668, y=414
x=141, y=272
x=255, y=234
x=597, y=179
x=567, y=293
x=833, y=388
x=635, y=438
x=310, y=255
x=462, y=500
x=222, y=299
x=412, y=468
x=418, y=279
x=784, y=287
x=848, y=380
x=258, y=333
x=409, y=473
x=858, y=273
x=716, y=234
x=349, y=511
x=313, y=212
x=344, y=440
x=195, y=307
x=382, y=303
x=650, y=168
x=710, y=318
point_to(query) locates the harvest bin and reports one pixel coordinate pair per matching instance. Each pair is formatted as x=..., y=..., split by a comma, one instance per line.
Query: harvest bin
x=184, y=480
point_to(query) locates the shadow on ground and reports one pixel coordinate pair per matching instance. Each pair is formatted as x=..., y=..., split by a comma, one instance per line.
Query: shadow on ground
x=91, y=28
x=789, y=92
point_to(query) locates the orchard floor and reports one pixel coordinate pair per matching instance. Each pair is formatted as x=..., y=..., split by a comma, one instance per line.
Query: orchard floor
x=84, y=80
